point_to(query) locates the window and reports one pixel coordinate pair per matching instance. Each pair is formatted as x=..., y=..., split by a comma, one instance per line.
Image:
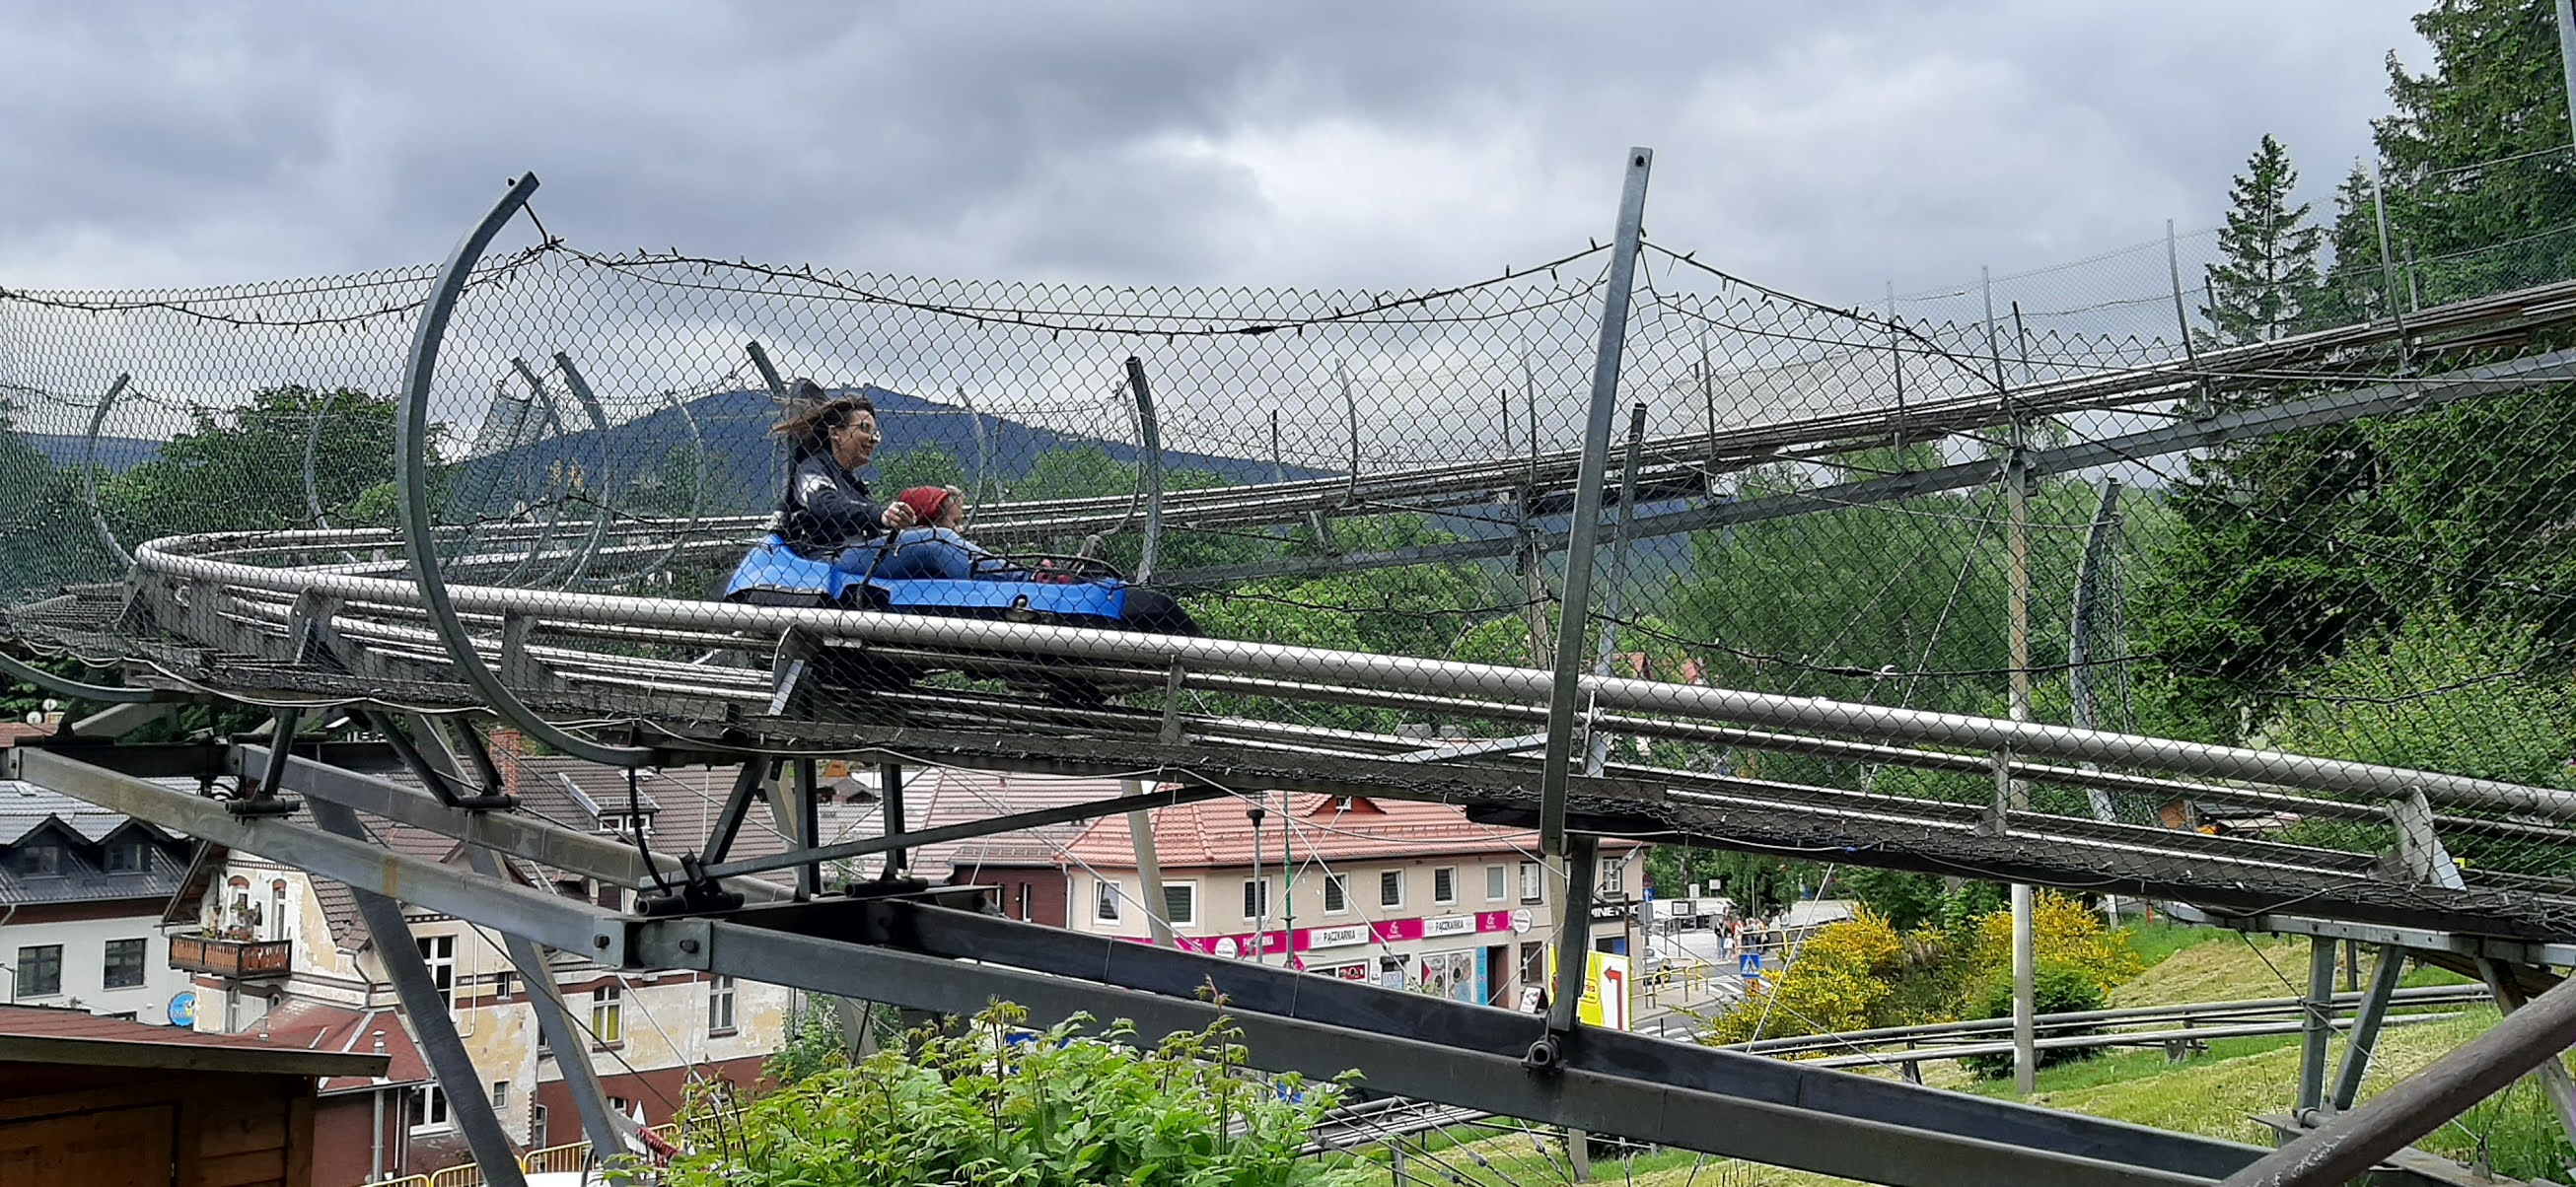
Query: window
x=1444, y=885
x=125, y=963
x=428, y=1109
x=1181, y=903
x=1390, y=888
x=1256, y=898
x=40, y=971
x=719, y=1005
x=41, y=861
x=607, y=1016
x=1497, y=886
x=1612, y=878
x=1533, y=889
x=1028, y=901
x=126, y=857
x=621, y=1106
x=439, y=953
x=1337, y=894
x=1106, y=909
x=500, y=1095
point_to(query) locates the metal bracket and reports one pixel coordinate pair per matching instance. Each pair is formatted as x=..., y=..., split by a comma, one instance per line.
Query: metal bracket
x=1171, y=734
x=610, y=942
x=795, y=660
x=697, y=894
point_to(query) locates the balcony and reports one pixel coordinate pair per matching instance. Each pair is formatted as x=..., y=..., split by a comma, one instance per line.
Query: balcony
x=241, y=960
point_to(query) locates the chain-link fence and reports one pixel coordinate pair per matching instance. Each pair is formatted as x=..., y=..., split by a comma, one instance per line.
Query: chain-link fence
x=1285, y=537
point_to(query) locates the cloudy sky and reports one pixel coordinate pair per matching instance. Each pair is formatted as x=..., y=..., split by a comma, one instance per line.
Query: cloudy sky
x=1831, y=149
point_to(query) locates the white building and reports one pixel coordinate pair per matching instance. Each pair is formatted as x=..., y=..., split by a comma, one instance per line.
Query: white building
x=81, y=895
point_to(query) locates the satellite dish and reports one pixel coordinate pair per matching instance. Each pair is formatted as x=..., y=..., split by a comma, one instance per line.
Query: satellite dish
x=35, y=717
x=52, y=705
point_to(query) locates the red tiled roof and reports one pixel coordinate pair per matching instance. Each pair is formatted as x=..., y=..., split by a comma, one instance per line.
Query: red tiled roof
x=306, y=1024
x=1218, y=833
x=93, y=1036
x=14, y=732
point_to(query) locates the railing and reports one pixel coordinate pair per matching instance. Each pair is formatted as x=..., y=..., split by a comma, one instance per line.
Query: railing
x=556, y=1159
x=468, y=1175
x=239, y=959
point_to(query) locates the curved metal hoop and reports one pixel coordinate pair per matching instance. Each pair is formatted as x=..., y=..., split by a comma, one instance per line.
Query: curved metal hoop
x=89, y=468
x=66, y=686
x=411, y=466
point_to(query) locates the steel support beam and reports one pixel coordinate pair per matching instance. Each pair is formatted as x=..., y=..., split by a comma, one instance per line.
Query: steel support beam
x=2367, y=1016
x=2316, y=1024
x=1574, y=613
x=430, y=1015
x=2346, y=1146
x=589, y=854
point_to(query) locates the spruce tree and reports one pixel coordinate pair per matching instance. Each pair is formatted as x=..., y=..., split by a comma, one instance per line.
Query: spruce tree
x=2270, y=273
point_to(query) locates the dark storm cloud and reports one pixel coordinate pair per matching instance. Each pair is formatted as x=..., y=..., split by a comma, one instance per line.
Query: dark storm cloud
x=1832, y=149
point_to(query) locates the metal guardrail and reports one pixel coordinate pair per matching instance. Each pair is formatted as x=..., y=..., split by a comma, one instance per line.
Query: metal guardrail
x=2187, y=1015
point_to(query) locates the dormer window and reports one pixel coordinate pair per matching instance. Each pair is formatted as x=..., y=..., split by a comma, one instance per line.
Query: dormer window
x=42, y=860
x=626, y=825
x=127, y=857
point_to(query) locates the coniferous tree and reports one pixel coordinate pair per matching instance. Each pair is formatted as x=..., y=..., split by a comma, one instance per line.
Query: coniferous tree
x=2270, y=274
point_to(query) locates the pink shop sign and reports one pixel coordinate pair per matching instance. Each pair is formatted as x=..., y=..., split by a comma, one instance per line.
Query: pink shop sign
x=1308, y=939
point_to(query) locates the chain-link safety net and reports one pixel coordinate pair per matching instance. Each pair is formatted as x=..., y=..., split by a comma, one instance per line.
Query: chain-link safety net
x=2133, y=574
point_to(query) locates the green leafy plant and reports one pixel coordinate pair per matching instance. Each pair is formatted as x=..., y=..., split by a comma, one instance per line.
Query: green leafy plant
x=985, y=1102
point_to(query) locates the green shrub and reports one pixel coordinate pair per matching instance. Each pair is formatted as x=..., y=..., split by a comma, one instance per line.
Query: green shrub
x=2055, y=989
x=982, y=1102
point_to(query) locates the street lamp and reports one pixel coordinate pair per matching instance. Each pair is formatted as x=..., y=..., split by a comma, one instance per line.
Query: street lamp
x=1260, y=889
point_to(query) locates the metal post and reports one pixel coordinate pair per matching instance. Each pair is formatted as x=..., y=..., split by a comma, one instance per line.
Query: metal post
x=589, y=401
x=2025, y=958
x=2349, y=1145
x=1586, y=528
x=977, y=486
x=411, y=476
x=2366, y=1017
x=1994, y=346
x=768, y=373
x=1573, y=933
x=1896, y=359
x=2567, y=59
x=1597, y=744
x=1151, y=433
x=806, y=824
x=2316, y=1025
x=1288, y=879
x=1708, y=397
x=1279, y=474
x=2388, y=266
x=2079, y=635
x=1351, y=408
x=431, y=1023
x=1149, y=865
x=892, y=818
x=737, y=806
x=1261, y=890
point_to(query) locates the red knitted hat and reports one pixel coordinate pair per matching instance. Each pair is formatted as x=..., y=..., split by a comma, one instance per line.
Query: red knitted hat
x=928, y=500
